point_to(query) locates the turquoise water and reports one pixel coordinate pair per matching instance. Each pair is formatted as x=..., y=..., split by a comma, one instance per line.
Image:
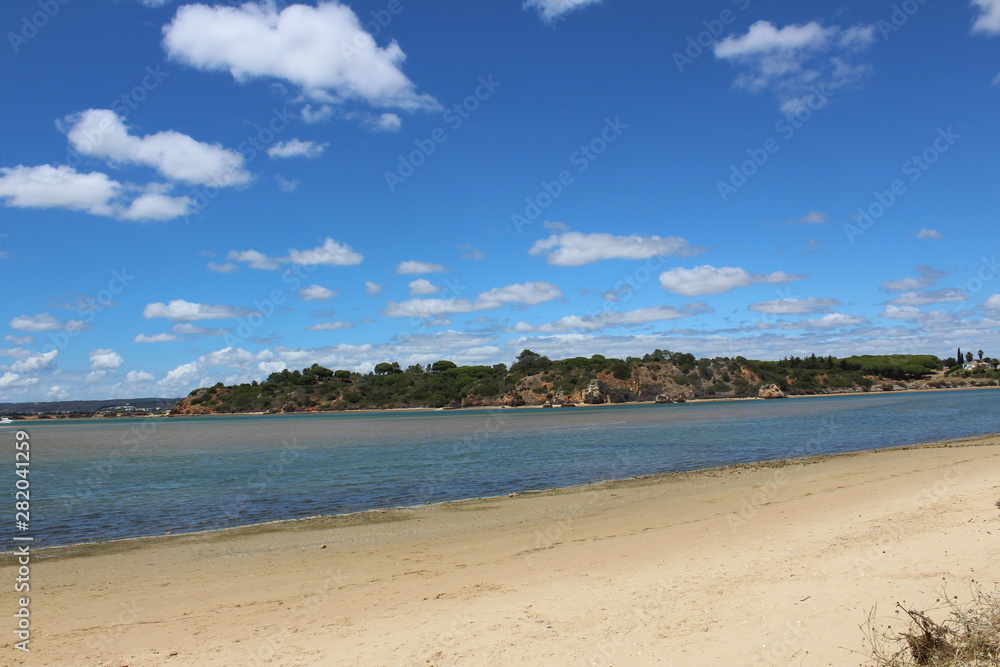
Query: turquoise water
x=100, y=480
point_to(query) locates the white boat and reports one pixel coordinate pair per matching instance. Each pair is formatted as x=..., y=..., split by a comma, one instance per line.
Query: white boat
x=6, y=420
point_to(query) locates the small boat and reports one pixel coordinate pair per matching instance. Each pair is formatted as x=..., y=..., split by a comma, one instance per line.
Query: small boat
x=6, y=420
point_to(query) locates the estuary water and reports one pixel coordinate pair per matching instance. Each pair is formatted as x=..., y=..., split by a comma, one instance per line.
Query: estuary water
x=96, y=480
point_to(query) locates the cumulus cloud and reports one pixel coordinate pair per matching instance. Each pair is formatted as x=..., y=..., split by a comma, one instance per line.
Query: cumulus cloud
x=988, y=20
x=102, y=133
x=330, y=326
x=44, y=322
x=703, y=280
x=796, y=61
x=372, y=288
x=470, y=251
x=413, y=267
x=137, y=377
x=928, y=233
x=180, y=310
x=45, y=186
x=316, y=293
x=893, y=312
x=423, y=287
x=577, y=249
x=31, y=362
x=296, y=148
x=607, y=319
x=155, y=338
x=527, y=294
x=927, y=277
x=550, y=10
x=331, y=253
x=946, y=295
x=793, y=306
x=105, y=359
x=324, y=50
x=993, y=303
x=830, y=321
x=15, y=381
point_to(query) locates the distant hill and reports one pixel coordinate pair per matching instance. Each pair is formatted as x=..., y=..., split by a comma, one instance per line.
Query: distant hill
x=63, y=407
x=534, y=380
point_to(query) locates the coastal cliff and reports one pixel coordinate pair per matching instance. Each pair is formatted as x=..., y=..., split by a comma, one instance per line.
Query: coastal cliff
x=535, y=380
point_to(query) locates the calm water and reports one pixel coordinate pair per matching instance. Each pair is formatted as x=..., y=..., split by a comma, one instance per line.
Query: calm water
x=102, y=480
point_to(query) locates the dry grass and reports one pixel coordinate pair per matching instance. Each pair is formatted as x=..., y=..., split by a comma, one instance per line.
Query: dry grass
x=967, y=636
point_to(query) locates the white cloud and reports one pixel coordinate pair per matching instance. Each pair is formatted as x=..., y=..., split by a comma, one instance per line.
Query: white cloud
x=928, y=233
x=18, y=340
x=793, y=306
x=423, y=287
x=706, y=279
x=316, y=293
x=31, y=362
x=331, y=253
x=136, y=377
x=296, y=148
x=155, y=338
x=253, y=259
x=946, y=295
x=553, y=9
x=180, y=310
x=606, y=319
x=903, y=313
x=831, y=321
x=44, y=322
x=424, y=308
x=324, y=50
x=105, y=359
x=413, y=267
x=993, y=303
x=102, y=133
x=527, y=294
x=577, y=249
x=330, y=326
x=158, y=207
x=15, y=381
x=228, y=267
x=46, y=186
x=471, y=252
x=387, y=122
x=372, y=288
x=928, y=276
x=988, y=20
x=796, y=61
x=188, y=329
x=286, y=185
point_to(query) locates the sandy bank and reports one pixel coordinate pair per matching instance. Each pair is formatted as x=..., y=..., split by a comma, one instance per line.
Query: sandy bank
x=765, y=564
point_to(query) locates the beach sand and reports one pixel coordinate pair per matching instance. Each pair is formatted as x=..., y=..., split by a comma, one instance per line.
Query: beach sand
x=751, y=565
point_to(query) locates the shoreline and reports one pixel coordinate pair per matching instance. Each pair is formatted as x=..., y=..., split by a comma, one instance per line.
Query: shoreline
x=692, y=401
x=775, y=563
x=393, y=513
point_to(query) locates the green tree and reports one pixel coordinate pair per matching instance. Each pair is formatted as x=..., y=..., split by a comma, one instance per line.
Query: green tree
x=443, y=365
x=980, y=353
x=968, y=356
x=383, y=368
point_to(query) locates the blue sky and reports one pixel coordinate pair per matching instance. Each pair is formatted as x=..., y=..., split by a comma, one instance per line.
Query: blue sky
x=193, y=193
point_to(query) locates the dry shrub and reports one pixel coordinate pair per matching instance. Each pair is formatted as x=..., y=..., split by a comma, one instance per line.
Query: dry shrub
x=968, y=636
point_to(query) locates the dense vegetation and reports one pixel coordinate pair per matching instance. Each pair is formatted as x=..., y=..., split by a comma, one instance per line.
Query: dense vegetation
x=534, y=379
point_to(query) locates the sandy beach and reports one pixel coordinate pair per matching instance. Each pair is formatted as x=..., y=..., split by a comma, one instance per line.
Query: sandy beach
x=768, y=564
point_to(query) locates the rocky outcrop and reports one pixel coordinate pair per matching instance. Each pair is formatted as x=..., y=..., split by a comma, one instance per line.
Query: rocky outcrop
x=593, y=394
x=770, y=391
